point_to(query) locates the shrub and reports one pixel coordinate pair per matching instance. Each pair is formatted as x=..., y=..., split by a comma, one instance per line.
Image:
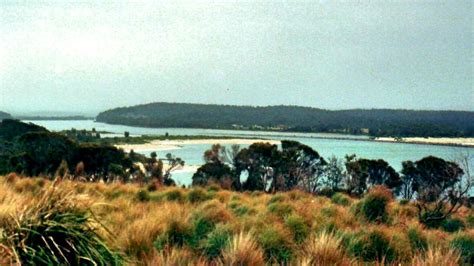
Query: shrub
x=452, y=225
x=276, y=245
x=216, y=241
x=143, y=196
x=197, y=195
x=340, y=199
x=464, y=243
x=374, y=205
x=371, y=246
x=297, y=227
x=417, y=240
x=175, y=195
x=56, y=231
x=243, y=250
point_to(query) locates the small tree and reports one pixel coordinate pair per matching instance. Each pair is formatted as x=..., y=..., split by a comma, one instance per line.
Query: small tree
x=438, y=186
x=126, y=134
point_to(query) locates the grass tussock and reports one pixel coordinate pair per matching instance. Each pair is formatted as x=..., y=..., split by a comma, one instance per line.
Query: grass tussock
x=86, y=223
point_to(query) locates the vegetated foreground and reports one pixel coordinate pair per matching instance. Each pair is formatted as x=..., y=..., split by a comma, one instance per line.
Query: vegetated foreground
x=60, y=222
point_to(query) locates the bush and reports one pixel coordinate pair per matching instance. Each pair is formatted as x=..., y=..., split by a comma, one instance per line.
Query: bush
x=374, y=205
x=216, y=241
x=465, y=244
x=197, y=195
x=143, y=196
x=276, y=245
x=175, y=195
x=372, y=246
x=417, y=240
x=452, y=225
x=340, y=199
x=57, y=232
x=297, y=227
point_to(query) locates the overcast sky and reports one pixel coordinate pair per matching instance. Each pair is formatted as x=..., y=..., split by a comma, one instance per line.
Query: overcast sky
x=84, y=58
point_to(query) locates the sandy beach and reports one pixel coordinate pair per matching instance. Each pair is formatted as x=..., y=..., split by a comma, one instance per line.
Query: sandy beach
x=168, y=145
x=467, y=142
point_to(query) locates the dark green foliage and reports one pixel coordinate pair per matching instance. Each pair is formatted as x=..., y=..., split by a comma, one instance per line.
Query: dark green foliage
x=373, y=207
x=211, y=172
x=465, y=244
x=276, y=246
x=340, y=199
x=371, y=246
x=366, y=173
x=470, y=221
x=175, y=195
x=197, y=195
x=143, y=195
x=10, y=129
x=452, y=225
x=216, y=242
x=401, y=123
x=297, y=227
x=417, y=240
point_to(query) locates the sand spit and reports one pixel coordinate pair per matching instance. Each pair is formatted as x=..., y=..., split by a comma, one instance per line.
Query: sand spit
x=467, y=142
x=168, y=145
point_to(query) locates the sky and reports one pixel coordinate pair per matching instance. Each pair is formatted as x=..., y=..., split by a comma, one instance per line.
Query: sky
x=86, y=57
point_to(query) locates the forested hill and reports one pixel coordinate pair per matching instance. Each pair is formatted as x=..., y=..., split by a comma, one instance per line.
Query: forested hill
x=376, y=122
x=4, y=115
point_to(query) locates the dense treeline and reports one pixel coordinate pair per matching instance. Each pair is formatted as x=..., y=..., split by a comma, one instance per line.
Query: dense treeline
x=4, y=115
x=34, y=151
x=438, y=187
x=375, y=122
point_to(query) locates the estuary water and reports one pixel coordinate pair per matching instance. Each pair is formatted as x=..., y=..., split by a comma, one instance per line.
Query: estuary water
x=326, y=144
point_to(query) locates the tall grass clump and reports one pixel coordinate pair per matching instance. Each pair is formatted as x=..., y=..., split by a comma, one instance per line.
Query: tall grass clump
x=371, y=246
x=464, y=243
x=276, y=244
x=373, y=207
x=324, y=249
x=340, y=199
x=57, y=231
x=418, y=241
x=243, y=250
x=437, y=256
x=297, y=227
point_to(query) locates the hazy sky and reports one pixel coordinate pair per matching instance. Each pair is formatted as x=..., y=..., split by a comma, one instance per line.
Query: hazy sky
x=87, y=57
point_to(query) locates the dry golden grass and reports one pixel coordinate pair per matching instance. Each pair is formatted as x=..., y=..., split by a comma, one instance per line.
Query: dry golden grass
x=243, y=250
x=136, y=225
x=437, y=256
x=324, y=249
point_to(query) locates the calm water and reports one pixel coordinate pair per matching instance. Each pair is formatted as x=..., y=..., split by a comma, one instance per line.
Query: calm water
x=394, y=153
